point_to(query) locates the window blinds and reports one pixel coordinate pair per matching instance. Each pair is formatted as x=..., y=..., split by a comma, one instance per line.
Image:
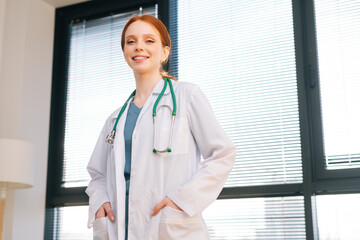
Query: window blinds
x=242, y=55
x=69, y=223
x=99, y=82
x=256, y=218
x=338, y=38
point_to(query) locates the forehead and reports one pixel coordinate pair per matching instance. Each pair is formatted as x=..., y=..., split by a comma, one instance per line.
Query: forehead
x=140, y=28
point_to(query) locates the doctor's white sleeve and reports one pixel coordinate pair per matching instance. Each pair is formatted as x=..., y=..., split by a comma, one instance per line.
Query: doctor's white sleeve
x=219, y=155
x=97, y=167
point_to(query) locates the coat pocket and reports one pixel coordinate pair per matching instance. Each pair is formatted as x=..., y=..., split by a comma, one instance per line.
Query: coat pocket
x=100, y=229
x=177, y=138
x=176, y=224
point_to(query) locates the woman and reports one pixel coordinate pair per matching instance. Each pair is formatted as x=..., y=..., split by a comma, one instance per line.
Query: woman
x=136, y=191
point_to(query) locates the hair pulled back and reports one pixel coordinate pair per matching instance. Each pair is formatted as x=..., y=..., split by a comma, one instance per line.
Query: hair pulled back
x=164, y=36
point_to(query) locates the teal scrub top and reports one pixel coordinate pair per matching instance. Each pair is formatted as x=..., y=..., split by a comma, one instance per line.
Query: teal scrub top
x=130, y=123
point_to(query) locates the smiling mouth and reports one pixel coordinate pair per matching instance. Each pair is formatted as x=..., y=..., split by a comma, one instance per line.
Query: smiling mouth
x=139, y=57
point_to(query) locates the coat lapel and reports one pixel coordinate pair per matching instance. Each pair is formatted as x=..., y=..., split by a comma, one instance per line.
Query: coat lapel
x=119, y=162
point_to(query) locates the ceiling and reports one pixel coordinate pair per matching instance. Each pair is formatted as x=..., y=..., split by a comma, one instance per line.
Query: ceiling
x=63, y=3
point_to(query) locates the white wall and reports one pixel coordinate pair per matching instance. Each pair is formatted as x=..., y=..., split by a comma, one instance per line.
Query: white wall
x=26, y=47
x=26, y=53
x=25, y=76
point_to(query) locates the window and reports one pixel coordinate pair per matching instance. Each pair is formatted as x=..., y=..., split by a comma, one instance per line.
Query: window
x=247, y=69
x=338, y=216
x=256, y=218
x=338, y=35
x=245, y=63
x=282, y=78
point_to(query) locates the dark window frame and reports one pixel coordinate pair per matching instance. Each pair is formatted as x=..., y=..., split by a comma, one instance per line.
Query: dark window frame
x=316, y=179
x=313, y=83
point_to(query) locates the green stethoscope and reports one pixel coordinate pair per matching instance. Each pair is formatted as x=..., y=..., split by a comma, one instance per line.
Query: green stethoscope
x=110, y=138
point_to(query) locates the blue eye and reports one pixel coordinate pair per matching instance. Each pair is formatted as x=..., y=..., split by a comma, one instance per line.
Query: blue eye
x=130, y=42
x=150, y=41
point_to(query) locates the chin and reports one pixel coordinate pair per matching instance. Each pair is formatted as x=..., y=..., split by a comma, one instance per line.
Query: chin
x=142, y=70
x=138, y=70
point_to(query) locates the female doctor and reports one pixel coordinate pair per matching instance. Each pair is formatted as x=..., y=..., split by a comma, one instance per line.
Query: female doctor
x=147, y=180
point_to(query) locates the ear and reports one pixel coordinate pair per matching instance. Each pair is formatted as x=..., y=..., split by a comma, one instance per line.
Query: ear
x=165, y=53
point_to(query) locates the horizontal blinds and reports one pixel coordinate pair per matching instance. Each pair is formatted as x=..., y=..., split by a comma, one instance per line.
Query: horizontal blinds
x=242, y=55
x=338, y=38
x=256, y=218
x=69, y=223
x=99, y=81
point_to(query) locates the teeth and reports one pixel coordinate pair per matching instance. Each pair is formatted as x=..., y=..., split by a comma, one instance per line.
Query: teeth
x=136, y=58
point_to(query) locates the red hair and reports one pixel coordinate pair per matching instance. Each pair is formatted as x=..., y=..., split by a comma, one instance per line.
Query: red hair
x=164, y=36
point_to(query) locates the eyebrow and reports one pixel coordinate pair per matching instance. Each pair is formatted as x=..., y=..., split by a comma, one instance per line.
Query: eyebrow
x=133, y=36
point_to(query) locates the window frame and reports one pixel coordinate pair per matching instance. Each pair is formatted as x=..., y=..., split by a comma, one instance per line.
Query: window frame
x=316, y=180
x=313, y=85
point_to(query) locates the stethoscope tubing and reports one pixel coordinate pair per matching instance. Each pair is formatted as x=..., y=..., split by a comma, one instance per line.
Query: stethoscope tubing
x=111, y=137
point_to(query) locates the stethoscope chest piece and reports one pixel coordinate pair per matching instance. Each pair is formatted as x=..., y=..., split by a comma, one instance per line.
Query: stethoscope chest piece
x=111, y=137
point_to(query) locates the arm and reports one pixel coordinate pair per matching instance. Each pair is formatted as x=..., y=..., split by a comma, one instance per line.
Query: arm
x=97, y=166
x=219, y=155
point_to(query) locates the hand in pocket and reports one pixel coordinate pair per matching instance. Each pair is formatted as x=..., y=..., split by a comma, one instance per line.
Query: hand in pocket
x=166, y=202
x=105, y=210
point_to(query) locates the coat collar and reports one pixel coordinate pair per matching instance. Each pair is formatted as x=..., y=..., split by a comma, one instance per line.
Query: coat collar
x=159, y=86
x=156, y=91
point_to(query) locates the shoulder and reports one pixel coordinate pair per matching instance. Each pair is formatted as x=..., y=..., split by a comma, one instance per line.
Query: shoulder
x=110, y=120
x=185, y=88
x=114, y=114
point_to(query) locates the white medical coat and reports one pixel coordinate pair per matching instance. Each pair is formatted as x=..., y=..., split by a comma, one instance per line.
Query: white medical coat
x=180, y=175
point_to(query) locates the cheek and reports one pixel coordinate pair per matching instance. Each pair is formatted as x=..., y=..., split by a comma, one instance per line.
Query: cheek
x=127, y=55
x=154, y=49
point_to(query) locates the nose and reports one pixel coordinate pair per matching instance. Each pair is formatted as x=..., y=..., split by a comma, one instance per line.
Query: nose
x=139, y=47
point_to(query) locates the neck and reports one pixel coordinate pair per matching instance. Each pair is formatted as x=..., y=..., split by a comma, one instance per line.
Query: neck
x=145, y=84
